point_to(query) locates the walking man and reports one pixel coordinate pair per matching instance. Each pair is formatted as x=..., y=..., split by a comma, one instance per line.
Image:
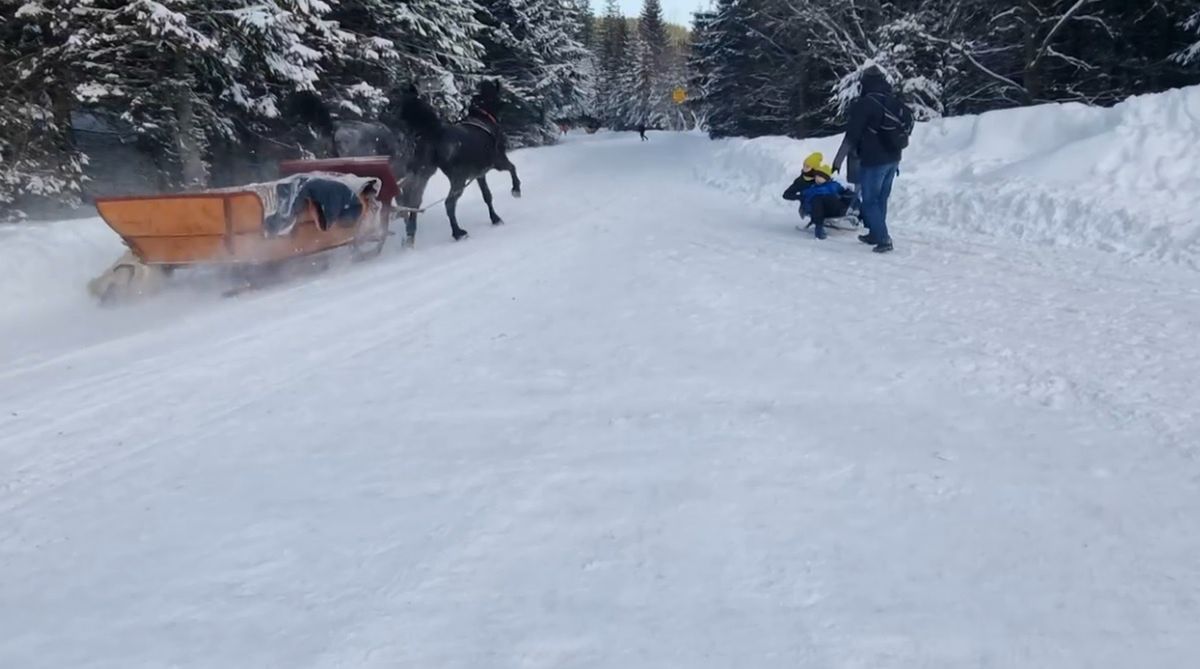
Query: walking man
x=876, y=133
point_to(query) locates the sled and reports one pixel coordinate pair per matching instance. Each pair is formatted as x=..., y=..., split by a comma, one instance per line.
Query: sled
x=847, y=223
x=226, y=228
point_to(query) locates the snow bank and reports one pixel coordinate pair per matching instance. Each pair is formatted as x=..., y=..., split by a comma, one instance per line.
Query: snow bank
x=1123, y=179
x=48, y=264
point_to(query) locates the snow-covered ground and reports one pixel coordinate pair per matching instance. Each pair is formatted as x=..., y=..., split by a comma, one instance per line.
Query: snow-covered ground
x=1123, y=180
x=645, y=424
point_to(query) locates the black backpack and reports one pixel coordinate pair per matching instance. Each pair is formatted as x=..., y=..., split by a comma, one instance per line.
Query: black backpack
x=897, y=123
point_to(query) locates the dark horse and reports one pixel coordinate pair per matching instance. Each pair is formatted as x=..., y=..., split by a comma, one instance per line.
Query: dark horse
x=464, y=152
x=350, y=138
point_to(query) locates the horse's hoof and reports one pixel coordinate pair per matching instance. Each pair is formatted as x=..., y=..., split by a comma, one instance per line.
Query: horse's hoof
x=460, y=235
x=498, y=221
x=516, y=194
x=410, y=242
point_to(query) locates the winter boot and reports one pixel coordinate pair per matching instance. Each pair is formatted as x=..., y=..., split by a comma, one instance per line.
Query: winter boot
x=820, y=232
x=867, y=239
x=883, y=247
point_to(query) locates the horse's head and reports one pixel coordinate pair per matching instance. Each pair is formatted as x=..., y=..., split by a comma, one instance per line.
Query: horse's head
x=311, y=110
x=486, y=101
x=420, y=116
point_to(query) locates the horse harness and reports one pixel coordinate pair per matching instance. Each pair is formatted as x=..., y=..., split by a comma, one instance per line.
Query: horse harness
x=476, y=123
x=492, y=128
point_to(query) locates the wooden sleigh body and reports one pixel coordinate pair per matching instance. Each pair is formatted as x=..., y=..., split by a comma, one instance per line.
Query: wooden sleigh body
x=227, y=227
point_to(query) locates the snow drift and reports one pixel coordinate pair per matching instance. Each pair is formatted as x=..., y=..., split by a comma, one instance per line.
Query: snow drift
x=1124, y=179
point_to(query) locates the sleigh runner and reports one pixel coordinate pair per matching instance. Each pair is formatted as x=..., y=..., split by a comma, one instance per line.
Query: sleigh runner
x=315, y=206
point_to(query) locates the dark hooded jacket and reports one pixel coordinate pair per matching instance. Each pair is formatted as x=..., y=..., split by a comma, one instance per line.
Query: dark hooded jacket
x=865, y=116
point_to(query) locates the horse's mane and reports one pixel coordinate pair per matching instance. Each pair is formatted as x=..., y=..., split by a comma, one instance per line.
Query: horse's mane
x=419, y=115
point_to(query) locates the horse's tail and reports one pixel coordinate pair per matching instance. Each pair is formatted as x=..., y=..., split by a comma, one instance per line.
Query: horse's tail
x=421, y=117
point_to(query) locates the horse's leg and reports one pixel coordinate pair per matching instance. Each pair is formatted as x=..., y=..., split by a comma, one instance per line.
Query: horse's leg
x=503, y=163
x=411, y=197
x=487, y=198
x=457, y=186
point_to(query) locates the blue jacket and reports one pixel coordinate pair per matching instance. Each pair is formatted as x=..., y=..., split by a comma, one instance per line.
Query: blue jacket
x=806, y=191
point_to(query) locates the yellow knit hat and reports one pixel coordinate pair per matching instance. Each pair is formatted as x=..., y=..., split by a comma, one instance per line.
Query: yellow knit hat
x=813, y=161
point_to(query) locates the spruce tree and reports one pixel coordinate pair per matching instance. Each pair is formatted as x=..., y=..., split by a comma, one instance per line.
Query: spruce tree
x=650, y=68
x=532, y=47
x=1191, y=53
x=727, y=64
x=183, y=73
x=38, y=159
x=585, y=95
x=433, y=44
x=611, y=100
x=700, y=59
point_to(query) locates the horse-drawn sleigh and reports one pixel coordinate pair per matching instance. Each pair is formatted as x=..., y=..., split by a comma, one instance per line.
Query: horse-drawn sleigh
x=314, y=207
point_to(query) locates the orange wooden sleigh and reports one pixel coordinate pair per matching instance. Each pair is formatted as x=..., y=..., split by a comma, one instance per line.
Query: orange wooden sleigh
x=226, y=227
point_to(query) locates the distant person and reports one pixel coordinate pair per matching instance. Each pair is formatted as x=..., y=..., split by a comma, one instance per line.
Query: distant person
x=877, y=133
x=642, y=132
x=821, y=196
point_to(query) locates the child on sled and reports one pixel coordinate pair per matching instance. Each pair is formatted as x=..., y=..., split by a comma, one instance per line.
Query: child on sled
x=821, y=196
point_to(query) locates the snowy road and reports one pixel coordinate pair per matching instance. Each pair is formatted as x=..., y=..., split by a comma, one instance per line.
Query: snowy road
x=646, y=424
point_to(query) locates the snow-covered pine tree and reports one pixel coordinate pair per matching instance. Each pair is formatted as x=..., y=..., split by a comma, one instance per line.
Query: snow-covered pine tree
x=613, y=56
x=676, y=76
x=700, y=57
x=789, y=72
x=587, y=25
x=1148, y=52
x=1014, y=52
x=905, y=52
x=948, y=56
x=1042, y=41
x=431, y=43
x=565, y=80
x=727, y=62
x=650, y=68
x=1191, y=53
x=533, y=48
x=584, y=104
x=753, y=74
x=799, y=52
x=37, y=157
x=185, y=73
x=636, y=84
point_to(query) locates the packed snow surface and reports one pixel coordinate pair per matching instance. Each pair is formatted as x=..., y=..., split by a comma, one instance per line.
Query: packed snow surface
x=645, y=424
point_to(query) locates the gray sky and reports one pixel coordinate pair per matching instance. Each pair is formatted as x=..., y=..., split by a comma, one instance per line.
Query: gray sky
x=675, y=11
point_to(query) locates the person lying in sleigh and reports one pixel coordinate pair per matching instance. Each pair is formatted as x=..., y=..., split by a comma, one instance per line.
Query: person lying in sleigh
x=821, y=196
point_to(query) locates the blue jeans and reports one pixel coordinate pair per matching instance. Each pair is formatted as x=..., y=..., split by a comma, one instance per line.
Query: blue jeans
x=875, y=186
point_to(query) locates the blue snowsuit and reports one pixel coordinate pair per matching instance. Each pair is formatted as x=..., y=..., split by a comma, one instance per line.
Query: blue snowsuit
x=819, y=201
